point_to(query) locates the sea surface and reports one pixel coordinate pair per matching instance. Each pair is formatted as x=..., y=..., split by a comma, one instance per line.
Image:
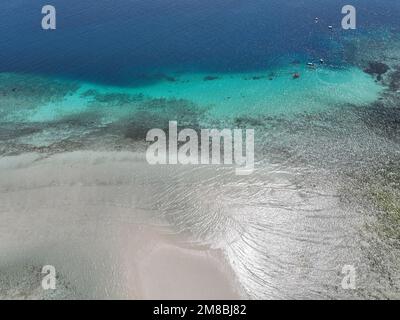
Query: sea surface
x=325, y=192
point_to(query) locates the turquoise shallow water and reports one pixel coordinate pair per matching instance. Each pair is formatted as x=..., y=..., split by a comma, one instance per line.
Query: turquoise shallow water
x=325, y=190
x=224, y=96
x=39, y=111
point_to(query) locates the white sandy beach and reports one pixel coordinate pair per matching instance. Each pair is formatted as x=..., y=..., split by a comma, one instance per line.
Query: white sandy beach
x=115, y=227
x=86, y=214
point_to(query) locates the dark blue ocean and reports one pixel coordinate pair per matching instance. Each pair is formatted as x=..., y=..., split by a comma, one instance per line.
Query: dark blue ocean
x=110, y=41
x=78, y=103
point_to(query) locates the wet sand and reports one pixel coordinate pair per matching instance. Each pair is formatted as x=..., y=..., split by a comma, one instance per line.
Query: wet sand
x=82, y=213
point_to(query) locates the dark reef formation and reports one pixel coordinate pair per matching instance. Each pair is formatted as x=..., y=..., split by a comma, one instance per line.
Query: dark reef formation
x=377, y=68
x=210, y=78
x=394, y=83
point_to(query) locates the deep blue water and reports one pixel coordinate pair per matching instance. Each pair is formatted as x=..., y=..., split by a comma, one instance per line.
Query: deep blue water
x=327, y=182
x=111, y=41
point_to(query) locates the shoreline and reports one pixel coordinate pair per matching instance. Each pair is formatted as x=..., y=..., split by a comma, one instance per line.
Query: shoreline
x=55, y=212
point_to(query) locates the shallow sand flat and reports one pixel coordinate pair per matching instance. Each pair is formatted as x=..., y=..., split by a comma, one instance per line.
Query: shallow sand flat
x=82, y=213
x=172, y=272
x=116, y=227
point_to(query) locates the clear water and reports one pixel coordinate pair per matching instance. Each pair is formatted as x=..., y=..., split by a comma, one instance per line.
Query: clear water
x=327, y=144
